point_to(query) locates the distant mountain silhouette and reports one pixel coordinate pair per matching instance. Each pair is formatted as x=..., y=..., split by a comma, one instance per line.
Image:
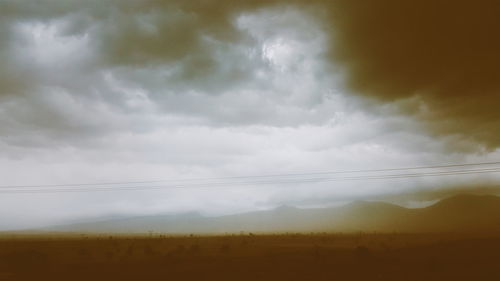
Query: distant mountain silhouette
x=458, y=213
x=461, y=212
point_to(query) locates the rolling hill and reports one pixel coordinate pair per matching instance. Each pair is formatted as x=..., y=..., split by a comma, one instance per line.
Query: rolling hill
x=465, y=213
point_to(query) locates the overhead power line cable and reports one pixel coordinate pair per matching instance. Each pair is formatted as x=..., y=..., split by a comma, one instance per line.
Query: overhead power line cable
x=284, y=175
x=256, y=182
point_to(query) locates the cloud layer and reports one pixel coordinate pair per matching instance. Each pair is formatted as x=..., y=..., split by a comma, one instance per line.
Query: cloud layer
x=442, y=55
x=96, y=91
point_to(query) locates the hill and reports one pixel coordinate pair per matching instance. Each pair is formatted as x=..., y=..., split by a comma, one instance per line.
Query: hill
x=459, y=213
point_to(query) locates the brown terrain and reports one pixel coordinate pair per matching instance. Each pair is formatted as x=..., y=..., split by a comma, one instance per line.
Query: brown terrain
x=361, y=256
x=464, y=246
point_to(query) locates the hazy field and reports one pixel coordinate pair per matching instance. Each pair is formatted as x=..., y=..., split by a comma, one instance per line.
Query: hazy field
x=251, y=257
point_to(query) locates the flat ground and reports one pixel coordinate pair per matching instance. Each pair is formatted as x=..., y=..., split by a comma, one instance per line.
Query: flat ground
x=251, y=257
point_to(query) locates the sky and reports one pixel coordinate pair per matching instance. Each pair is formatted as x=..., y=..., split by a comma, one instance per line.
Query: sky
x=119, y=91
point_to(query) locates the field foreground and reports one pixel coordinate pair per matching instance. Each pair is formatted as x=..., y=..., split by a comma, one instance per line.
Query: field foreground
x=251, y=257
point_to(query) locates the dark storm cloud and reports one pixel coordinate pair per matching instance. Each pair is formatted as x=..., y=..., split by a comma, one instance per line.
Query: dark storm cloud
x=443, y=53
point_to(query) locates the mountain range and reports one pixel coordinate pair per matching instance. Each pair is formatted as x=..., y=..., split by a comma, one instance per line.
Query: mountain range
x=469, y=213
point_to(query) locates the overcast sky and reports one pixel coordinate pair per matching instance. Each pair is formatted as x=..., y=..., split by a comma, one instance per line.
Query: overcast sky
x=108, y=90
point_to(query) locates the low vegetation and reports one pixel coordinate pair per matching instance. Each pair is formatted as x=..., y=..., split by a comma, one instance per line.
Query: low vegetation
x=325, y=256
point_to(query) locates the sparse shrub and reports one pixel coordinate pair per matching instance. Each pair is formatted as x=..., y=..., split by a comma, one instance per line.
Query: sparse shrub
x=180, y=248
x=225, y=248
x=148, y=250
x=431, y=265
x=29, y=259
x=195, y=248
x=82, y=252
x=109, y=255
x=362, y=252
x=315, y=251
x=130, y=250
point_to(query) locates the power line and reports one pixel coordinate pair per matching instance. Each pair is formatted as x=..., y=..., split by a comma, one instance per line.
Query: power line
x=255, y=183
x=256, y=176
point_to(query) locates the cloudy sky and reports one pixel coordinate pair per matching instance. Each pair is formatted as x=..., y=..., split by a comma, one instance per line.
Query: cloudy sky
x=123, y=91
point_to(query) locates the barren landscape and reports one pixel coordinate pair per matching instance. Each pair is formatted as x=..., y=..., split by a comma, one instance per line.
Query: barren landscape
x=361, y=256
x=466, y=247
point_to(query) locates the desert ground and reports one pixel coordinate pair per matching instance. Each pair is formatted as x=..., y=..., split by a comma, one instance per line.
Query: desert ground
x=247, y=256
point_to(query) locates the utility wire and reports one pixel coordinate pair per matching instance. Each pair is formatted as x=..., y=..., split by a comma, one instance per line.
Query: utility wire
x=255, y=176
x=255, y=183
